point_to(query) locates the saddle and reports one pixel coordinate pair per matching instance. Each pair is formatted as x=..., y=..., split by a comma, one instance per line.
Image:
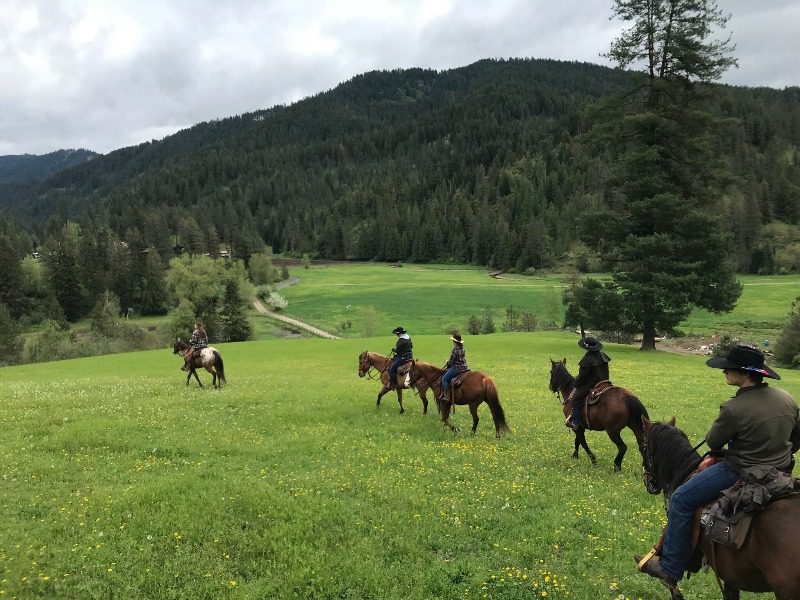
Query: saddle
x=598, y=390
x=404, y=368
x=727, y=519
x=458, y=379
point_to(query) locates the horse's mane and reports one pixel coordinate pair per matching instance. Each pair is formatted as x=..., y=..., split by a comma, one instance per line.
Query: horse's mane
x=672, y=455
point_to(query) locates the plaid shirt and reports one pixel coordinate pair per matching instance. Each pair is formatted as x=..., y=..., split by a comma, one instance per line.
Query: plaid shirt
x=458, y=359
x=198, y=341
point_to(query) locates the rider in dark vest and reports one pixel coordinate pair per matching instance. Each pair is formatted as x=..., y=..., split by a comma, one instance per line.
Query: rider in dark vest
x=593, y=369
x=196, y=344
x=401, y=352
x=457, y=363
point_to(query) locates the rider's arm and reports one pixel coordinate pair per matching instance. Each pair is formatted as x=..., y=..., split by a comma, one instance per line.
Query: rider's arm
x=722, y=430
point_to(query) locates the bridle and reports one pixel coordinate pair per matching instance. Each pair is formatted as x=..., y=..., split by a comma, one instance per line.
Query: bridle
x=555, y=386
x=367, y=371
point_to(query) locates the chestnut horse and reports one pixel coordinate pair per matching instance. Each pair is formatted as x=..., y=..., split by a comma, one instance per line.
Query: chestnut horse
x=372, y=360
x=617, y=408
x=476, y=387
x=208, y=358
x=769, y=559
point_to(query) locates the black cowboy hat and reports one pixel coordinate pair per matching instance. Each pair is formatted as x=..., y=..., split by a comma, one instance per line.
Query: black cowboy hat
x=457, y=338
x=743, y=358
x=398, y=330
x=590, y=343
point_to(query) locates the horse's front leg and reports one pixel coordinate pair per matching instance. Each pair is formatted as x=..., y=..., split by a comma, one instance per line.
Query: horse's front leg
x=193, y=372
x=580, y=438
x=399, y=391
x=424, y=397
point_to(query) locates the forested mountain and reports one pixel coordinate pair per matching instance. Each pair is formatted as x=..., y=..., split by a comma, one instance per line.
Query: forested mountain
x=487, y=164
x=20, y=173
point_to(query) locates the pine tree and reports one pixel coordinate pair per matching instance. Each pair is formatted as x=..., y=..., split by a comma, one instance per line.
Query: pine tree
x=669, y=250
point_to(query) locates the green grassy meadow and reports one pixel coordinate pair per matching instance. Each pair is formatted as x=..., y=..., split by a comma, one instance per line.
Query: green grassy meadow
x=118, y=481
x=435, y=299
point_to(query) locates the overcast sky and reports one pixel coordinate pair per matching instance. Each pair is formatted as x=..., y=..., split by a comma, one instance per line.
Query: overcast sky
x=104, y=74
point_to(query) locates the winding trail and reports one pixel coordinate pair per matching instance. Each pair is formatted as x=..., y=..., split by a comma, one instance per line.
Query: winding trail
x=259, y=306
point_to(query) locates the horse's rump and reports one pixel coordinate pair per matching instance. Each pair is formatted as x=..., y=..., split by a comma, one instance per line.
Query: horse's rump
x=206, y=355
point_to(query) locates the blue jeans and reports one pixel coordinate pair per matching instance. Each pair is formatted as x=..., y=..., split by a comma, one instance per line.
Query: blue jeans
x=697, y=491
x=447, y=377
x=393, y=371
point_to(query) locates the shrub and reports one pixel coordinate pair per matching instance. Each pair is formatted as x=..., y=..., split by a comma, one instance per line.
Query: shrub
x=277, y=302
x=487, y=322
x=787, y=348
x=473, y=325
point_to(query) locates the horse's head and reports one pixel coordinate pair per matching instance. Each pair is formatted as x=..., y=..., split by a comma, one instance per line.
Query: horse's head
x=668, y=457
x=558, y=375
x=364, y=363
x=178, y=346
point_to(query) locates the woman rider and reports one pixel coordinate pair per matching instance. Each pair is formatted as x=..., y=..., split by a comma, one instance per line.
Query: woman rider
x=457, y=363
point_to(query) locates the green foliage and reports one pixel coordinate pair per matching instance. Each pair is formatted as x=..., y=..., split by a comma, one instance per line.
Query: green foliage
x=10, y=342
x=261, y=270
x=105, y=316
x=787, y=348
x=368, y=323
x=667, y=248
x=234, y=324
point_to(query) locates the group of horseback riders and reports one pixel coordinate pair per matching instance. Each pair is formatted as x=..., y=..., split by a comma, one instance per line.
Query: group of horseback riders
x=760, y=425
x=455, y=365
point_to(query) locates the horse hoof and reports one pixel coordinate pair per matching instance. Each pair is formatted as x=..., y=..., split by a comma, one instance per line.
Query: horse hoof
x=456, y=429
x=617, y=468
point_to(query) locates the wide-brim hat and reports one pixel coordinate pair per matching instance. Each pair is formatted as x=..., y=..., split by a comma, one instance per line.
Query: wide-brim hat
x=590, y=343
x=399, y=330
x=743, y=358
x=457, y=338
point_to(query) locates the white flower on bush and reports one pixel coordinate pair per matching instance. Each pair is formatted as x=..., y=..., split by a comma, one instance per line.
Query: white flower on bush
x=277, y=302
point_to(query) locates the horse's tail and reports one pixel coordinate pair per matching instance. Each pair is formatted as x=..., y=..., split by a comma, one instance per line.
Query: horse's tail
x=493, y=400
x=636, y=411
x=219, y=366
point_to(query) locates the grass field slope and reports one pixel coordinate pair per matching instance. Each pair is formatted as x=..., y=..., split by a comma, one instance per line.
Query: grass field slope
x=118, y=481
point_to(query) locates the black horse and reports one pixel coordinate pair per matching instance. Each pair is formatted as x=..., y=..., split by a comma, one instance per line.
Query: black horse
x=208, y=358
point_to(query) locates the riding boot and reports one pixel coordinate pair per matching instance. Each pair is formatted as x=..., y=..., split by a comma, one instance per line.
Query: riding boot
x=575, y=421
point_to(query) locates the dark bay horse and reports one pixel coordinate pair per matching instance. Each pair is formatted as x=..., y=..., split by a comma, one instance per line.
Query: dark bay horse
x=367, y=361
x=476, y=387
x=208, y=358
x=769, y=559
x=617, y=408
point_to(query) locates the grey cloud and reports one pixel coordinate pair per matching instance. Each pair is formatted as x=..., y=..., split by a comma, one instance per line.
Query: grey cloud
x=197, y=61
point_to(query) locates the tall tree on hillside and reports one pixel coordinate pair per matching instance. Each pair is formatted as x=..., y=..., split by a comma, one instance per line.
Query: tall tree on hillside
x=11, y=290
x=669, y=250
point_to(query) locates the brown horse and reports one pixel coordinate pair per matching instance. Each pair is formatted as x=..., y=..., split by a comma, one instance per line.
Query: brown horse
x=769, y=559
x=617, y=408
x=476, y=387
x=367, y=361
x=208, y=358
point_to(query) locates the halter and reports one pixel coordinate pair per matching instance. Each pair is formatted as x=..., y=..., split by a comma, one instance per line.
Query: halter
x=563, y=378
x=368, y=373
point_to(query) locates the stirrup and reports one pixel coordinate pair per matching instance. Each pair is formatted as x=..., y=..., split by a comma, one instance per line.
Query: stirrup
x=644, y=560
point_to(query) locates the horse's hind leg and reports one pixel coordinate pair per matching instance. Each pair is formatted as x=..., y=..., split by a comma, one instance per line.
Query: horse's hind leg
x=473, y=409
x=621, y=449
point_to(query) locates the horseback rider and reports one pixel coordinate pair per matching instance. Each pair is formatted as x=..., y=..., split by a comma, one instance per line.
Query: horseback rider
x=593, y=369
x=760, y=426
x=457, y=363
x=196, y=344
x=401, y=352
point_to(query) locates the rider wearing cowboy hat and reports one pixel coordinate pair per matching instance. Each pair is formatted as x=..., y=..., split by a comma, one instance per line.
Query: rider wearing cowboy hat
x=759, y=424
x=593, y=369
x=457, y=363
x=402, y=353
